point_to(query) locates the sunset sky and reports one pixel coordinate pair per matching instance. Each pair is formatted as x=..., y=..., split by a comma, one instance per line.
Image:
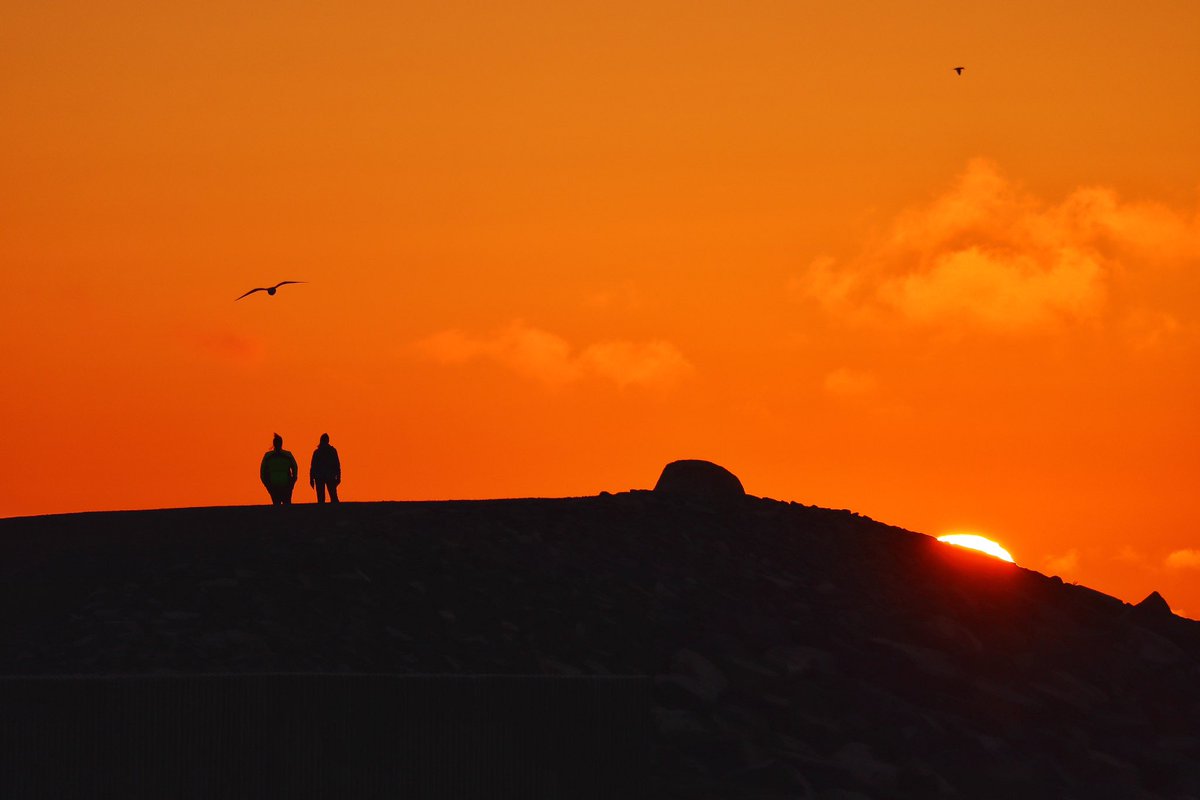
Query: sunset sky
x=552, y=246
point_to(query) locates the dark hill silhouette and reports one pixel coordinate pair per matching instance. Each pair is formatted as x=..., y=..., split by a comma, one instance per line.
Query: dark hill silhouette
x=797, y=651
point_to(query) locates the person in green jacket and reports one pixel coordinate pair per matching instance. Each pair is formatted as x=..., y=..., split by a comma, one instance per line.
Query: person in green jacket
x=278, y=473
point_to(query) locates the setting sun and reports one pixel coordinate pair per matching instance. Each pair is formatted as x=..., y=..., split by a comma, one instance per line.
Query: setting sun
x=976, y=542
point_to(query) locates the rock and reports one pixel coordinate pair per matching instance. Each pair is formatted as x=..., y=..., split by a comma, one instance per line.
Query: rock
x=1116, y=773
x=931, y=662
x=217, y=583
x=858, y=760
x=675, y=723
x=1153, y=606
x=397, y=634
x=1072, y=690
x=1155, y=648
x=918, y=780
x=597, y=667
x=553, y=666
x=799, y=660
x=751, y=668
x=691, y=663
x=954, y=637
x=771, y=780
x=693, y=679
x=748, y=756
x=700, y=480
x=843, y=794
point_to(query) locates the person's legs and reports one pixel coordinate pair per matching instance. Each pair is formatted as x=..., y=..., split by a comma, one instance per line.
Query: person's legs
x=286, y=493
x=333, y=498
x=320, y=491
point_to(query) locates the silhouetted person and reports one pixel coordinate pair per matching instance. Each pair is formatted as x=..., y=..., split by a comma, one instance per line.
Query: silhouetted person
x=279, y=472
x=325, y=470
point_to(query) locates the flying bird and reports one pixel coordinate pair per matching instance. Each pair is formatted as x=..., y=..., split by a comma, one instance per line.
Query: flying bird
x=269, y=289
x=958, y=70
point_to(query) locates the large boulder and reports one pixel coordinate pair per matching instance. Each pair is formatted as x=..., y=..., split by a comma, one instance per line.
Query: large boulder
x=1154, y=606
x=1150, y=614
x=700, y=480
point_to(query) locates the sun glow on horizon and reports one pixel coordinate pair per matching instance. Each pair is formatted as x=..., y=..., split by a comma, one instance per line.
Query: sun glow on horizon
x=975, y=542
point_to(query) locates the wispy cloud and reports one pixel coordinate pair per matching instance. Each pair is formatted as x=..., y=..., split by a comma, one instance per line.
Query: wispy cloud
x=529, y=351
x=626, y=296
x=1183, y=559
x=1149, y=330
x=849, y=383
x=225, y=345
x=990, y=255
x=1065, y=564
x=636, y=363
x=550, y=359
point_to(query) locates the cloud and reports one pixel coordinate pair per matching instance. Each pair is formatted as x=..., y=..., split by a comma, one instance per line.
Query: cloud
x=988, y=255
x=1183, y=559
x=1146, y=231
x=550, y=359
x=636, y=363
x=625, y=297
x=1149, y=330
x=225, y=345
x=1066, y=564
x=1128, y=555
x=824, y=281
x=529, y=351
x=999, y=290
x=846, y=382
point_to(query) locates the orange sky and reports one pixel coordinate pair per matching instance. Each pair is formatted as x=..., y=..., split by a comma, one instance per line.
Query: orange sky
x=554, y=246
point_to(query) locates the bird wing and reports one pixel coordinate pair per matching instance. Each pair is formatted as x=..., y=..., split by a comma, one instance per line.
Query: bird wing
x=285, y=283
x=252, y=291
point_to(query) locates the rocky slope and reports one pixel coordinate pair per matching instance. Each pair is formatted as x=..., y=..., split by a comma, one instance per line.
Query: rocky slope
x=798, y=651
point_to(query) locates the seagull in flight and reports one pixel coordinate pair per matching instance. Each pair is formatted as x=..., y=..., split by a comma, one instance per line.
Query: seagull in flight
x=269, y=289
x=958, y=70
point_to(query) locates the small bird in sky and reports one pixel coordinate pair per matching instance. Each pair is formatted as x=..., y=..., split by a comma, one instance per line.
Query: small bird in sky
x=269, y=289
x=958, y=70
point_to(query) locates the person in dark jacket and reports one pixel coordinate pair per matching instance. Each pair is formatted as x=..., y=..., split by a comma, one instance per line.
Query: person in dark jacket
x=325, y=470
x=278, y=473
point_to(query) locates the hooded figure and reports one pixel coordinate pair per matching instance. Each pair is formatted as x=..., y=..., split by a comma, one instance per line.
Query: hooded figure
x=278, y=473
x=325, y=470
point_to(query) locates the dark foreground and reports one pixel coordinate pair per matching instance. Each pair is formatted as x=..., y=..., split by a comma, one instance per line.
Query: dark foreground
x=793, y=651
x=325, y=736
